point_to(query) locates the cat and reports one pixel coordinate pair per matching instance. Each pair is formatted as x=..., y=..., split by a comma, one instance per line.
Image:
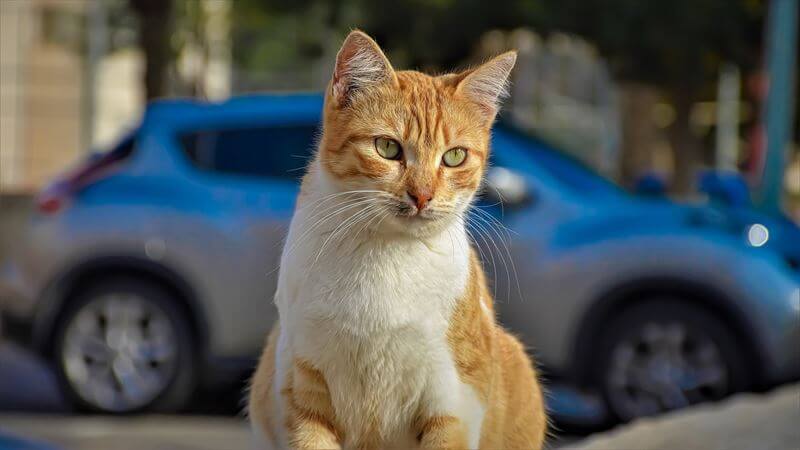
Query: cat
x=387, y=335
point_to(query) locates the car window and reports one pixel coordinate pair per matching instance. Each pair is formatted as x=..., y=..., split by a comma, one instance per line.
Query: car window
x=275, y=152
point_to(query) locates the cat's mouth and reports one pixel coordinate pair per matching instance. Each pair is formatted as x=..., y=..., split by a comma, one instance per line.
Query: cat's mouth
x=408, y=212
x=419, y=217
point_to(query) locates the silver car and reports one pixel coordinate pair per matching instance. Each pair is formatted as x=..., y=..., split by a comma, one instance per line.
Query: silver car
x=149, y=270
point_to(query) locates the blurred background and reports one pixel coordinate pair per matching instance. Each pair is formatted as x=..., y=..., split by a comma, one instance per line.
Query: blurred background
x=650, y=149
x=630, y=88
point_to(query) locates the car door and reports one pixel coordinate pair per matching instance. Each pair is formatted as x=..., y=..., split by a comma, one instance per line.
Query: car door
x=251, y=174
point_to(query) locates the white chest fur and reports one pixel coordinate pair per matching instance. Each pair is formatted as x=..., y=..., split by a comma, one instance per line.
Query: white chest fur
x=372, y=314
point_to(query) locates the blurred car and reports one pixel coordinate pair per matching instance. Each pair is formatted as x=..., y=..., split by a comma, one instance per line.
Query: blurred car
x=150, y=269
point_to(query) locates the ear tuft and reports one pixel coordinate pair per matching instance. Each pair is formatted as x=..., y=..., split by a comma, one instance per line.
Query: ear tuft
x=487, y=84
x=360, y=64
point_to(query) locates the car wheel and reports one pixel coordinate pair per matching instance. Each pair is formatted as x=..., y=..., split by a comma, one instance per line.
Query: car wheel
x=665, y=354
x=125, y=346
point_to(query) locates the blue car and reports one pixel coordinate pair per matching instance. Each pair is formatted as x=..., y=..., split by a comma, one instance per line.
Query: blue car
x=631, y=305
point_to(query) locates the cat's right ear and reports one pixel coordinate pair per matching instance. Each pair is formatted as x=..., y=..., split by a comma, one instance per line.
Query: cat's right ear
x=487, y=84
x=360, y=64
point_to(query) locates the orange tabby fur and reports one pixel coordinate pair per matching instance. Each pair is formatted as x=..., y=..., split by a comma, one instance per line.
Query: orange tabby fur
x=429, y=115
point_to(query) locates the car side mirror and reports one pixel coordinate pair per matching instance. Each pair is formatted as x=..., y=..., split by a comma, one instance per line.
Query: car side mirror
x=507, y=187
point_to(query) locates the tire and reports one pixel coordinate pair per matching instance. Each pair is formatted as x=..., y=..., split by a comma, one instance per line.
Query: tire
x=124, y=345
x=667, y=353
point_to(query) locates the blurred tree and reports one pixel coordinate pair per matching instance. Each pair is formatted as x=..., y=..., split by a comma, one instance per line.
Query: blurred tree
x=155, y=20
x=675, y=46
x=428, y=34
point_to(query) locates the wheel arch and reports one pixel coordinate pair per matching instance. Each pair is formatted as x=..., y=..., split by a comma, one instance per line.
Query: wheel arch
x=623, y=296
x=64, y=289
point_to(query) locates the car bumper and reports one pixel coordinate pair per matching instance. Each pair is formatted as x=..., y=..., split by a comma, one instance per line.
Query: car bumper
x=16, y=329
x=765, y=295
x=16, y=294
x=789, y=364
x=783, y=331
x=17, y=306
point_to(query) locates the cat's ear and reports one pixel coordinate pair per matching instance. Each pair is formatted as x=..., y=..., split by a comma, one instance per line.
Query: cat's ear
x=360, y=64
x=487, y=84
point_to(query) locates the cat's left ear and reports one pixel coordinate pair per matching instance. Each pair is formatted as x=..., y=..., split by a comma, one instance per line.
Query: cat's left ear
x=487, y=84
x=360, y=65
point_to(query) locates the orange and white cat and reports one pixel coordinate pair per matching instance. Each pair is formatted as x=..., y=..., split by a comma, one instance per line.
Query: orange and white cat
x=387, y=335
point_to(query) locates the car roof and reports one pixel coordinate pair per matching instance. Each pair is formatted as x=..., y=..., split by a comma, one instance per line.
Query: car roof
x=286, y=109
x=277, y=108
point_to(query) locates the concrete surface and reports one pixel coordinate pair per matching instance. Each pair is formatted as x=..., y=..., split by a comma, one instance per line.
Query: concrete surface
x=745, y=422
x=131, y=433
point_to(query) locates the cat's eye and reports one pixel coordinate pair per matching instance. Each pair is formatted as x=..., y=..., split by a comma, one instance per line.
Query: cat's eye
x=454, y=157
x=388, y=148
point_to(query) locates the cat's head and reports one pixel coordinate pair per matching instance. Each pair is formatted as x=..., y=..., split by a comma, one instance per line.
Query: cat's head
x=416, y=144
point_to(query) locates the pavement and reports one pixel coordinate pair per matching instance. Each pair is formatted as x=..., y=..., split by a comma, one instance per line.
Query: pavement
x=768, y=421
x=152, y=432
x=745, y=422
x=32, y=408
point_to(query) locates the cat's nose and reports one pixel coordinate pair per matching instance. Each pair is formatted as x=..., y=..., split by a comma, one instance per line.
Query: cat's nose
x=420, y=198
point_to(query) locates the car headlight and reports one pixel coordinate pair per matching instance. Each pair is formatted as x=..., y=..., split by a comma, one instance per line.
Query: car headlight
x=757, y=235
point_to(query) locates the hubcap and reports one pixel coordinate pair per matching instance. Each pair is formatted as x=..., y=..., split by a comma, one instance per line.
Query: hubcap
x=664, y=366
x=119, y=352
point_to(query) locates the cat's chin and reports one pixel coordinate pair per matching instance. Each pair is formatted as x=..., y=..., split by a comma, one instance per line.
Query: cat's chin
x=417, y=225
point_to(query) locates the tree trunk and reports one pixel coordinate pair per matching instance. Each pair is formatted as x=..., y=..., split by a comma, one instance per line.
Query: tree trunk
x=155, y=27
x=685, y=145
x=639, y=132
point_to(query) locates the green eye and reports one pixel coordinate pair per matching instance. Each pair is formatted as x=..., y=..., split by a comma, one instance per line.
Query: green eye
x=388, y=148
x=454, y=157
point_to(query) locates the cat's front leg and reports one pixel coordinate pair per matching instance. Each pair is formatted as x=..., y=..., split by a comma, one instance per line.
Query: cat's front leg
x=443, y=432
x=311, y=421
x=309, y=433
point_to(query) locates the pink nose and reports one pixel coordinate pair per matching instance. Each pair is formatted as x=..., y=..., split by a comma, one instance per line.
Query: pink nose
x=420, y=198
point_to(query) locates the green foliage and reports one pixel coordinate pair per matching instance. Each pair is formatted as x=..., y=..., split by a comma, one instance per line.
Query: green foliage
x=430, y=34
x=677, y=44
x=277, y=35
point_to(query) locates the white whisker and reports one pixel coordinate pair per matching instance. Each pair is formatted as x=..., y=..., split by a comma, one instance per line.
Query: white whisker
x=349, y=222
x=504, y=242
x=496, y=247
x=337, y=209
